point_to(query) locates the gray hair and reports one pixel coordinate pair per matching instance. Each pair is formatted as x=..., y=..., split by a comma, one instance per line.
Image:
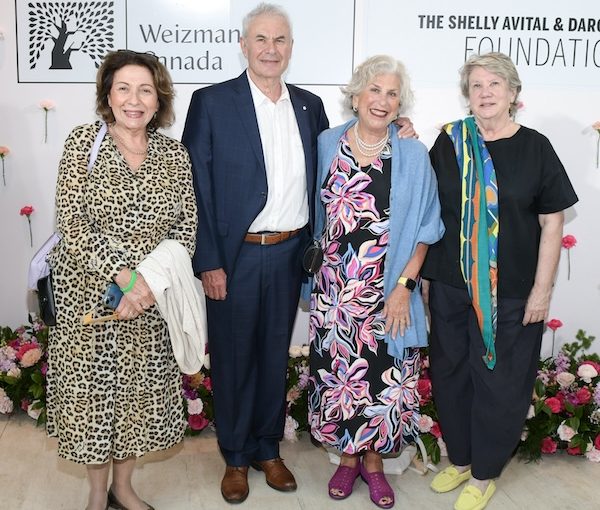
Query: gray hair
x=264, y=9
x=375, y=66
x=497, y=63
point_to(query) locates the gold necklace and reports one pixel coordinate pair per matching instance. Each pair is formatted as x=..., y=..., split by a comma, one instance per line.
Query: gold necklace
x=124, y=145
x=366, y=149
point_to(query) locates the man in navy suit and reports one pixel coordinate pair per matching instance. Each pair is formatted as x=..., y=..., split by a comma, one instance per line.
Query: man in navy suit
x=252, y=142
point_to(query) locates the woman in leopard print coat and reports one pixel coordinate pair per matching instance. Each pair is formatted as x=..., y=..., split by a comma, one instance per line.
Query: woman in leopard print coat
x=114, y=388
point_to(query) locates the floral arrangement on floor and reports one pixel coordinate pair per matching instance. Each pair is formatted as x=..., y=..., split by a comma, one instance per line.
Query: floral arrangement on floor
x=23, y=354
x=23, y=369
x=564, y=412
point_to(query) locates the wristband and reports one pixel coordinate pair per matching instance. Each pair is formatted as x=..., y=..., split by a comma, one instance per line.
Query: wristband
x=131, y=283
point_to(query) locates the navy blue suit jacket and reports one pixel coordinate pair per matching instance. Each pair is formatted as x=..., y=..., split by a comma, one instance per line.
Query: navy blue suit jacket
x=221, y=134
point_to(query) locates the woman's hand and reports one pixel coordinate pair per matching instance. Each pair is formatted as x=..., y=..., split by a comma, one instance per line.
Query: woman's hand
x=538, y=305
x=135, y=302
x=396, y=311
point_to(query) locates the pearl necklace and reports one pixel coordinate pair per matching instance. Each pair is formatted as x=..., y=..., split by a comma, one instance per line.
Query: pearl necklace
x=366, y=149
x=120, y=140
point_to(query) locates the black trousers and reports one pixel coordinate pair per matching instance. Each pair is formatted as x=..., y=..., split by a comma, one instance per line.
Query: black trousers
x=481, y=411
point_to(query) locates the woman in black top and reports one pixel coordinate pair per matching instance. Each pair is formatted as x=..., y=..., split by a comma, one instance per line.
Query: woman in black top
x=503, y=191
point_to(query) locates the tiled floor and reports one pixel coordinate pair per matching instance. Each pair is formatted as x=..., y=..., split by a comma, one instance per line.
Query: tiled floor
x=186, y=477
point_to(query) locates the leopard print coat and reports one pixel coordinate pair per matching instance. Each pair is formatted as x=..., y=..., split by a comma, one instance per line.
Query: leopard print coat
x=114, y=389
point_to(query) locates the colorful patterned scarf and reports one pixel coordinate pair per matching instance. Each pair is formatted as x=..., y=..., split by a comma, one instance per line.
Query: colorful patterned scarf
x=479, y=227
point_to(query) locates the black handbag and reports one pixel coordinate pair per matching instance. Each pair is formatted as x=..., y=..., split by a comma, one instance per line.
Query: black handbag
x=46, y=300
x=312, y=257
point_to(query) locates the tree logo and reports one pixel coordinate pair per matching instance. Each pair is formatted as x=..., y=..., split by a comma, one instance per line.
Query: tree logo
x=67, y=28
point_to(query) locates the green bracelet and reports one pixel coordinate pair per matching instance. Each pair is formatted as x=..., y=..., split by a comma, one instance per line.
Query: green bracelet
x=131, y=283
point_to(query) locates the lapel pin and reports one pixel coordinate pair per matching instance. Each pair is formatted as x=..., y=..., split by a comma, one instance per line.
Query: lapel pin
x=304, y=107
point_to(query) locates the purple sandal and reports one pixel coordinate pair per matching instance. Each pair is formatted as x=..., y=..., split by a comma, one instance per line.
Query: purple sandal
x=343, y=481
x=379, y=487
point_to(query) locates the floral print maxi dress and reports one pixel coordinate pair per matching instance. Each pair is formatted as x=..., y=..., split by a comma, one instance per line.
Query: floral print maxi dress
x=360, y=398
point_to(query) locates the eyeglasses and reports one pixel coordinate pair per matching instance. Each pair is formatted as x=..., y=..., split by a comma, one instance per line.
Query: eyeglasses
x=139, y=53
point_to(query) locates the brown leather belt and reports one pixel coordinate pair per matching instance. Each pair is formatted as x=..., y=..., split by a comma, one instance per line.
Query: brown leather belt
x=271, y=237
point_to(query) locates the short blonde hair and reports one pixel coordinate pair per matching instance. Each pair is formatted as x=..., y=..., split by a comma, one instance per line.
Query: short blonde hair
x=497, y=63
x=375, y=66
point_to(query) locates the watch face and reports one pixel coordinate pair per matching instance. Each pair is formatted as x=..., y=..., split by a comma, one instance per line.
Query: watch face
x=410, y=284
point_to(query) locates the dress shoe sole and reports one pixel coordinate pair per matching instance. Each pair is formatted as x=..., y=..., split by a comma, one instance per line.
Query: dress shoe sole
x=257, y=466
x=235, y=501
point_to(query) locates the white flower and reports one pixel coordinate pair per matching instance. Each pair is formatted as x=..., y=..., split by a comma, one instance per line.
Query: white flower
x=587, y=372
x=305, y=350
x=524, y=434
x=14, y=372
x=295, y=351
x=34, y=413
x=425, y=423
x=593, y=455
x=442, y=445
x=6, y=405
x=289, y=431
x=530, y=412
x=565, y=432
x=195, y=406
x=565, y=379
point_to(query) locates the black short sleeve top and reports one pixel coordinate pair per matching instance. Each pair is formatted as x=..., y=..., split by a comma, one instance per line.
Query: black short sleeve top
x=531, y=181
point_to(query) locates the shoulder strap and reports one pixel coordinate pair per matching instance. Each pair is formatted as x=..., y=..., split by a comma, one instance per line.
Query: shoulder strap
x=96, y=146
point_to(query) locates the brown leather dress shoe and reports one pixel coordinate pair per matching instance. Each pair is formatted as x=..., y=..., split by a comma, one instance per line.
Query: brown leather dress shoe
x=277, y=475
x=234, y=486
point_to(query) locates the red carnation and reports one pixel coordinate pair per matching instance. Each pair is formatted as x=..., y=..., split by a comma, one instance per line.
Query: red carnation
x=554, y=404
x=197, y=421
x=583, y=396
x=574, y=450
x=548, y=445
x=569, y=241
x=554, y=324
x=435, y=430
x=424, y=389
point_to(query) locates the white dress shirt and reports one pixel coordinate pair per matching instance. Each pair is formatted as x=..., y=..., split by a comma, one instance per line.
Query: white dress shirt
x=287, y=201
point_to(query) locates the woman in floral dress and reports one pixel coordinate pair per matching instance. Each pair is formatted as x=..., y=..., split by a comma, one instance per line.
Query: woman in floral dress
x=378, y=211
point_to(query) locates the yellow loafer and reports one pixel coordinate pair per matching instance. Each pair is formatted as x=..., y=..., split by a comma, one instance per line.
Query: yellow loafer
x=449, y=479
x=471, y=497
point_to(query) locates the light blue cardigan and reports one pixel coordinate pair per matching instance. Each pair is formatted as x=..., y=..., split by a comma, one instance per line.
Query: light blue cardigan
x=414, y=218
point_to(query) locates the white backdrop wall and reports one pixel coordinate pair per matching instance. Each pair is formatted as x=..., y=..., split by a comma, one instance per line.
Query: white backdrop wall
x=560, y=96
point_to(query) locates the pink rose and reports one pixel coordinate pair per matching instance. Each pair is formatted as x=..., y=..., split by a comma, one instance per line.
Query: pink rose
x=425, y=423
x=565, y=432
x=554, y=324
x=593, y=455
x=4, y=151
x=565, y=379
x=597, y=442
x=197, y=421
x=587, y=372
x=548, y=445
x=583, y=396
x=568, y=241
x=574, y=450
x=31, y=357
x=592, y=363
x=554, y=404
x=435, y=430
x=207, y=383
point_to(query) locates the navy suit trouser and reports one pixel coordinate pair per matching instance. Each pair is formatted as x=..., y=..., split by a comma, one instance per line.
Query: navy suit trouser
x=249, y=336
x=481, y=411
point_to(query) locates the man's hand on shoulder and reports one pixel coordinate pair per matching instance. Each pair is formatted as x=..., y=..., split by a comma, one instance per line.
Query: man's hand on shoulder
x=405, y=128
x=215, y=284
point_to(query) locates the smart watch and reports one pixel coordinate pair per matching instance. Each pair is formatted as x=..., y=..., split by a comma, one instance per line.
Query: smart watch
x=409, y=283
